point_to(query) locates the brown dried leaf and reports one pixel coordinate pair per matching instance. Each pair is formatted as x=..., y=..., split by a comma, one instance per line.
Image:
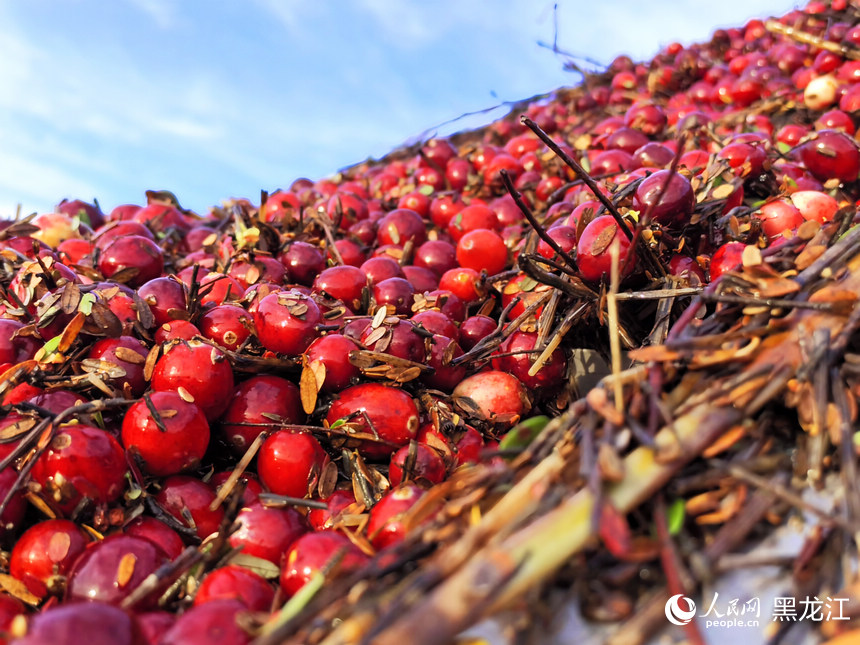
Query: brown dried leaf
x=151, y=360
x=751, y=256
x=378, y=318
x=16, y=588
x=604, y=239
x=70, y=298
x=129, y=356
x=16, y=428
x=308, y=390
x=328, y=480
x=185, y=395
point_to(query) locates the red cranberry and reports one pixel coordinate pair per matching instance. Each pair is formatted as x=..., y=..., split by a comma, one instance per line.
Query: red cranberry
x=729, y=256
x=339, y=500
x=593, y=249
x=344, y=283
x=471, y=218
x=436, y=323
x=201, y=371
x=45, y=552
x=172, y=439
x=14, y=345
x=267, y=533
x=176, y=330
x=385, y=526
x=233, y=581
x=227, y=325
x=401, y=226
x=474, y=329
x=779, y=216
x=188, y=499
x=154, y=625
x=378, y=269
x=397, y=337
x=499, y=396
x=482, y=250
x=444, y=375
x=831, y=155
x=548, y=377
x=425, y=466
x=81, y=461
x=332, y=351
x=314, y=552
x=290, y=463
x=132, y=259
x=396, y=293
x=303, y=262
x=390, y=411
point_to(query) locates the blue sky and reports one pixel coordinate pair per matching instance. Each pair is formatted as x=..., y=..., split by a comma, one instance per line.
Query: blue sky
x=215, y=99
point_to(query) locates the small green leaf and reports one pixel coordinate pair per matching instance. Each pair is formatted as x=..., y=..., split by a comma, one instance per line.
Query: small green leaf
x=260, y=566
x=675, y=515
x=85, y=306
x=426, y=190
x=783, y=147
x=338, y=423
x=51, y=346
x=522, y=434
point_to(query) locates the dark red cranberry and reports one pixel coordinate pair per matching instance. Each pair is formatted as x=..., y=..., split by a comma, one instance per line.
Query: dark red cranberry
x=674, y=192
x=303, y=262
x=416, y=462
x=831, y=155
x=129, y=355
x=213, y=623
x=16, y=346
x=89, y=214
x=260, y=400
x=421, y=279
x=394, y=293
x=161, y=218
x=262, y=269
x=176, y=330
x=98, y=622
x=518, y=363
x=107, y=234
x=593, y=256
x=447, y=301
x=200, y=373
x=44, y=553
x=188, y=499
x=401, y=226
x=444, y=375
x=564, y=236
x=315, y=552
x=396, y=337
x=378, y=269
x=267, y=533
x=109, y=570
x=475, y=328
x=252, y=486
x=154, y=625
x=167, y=299
x=436, y=323
x=158, y=532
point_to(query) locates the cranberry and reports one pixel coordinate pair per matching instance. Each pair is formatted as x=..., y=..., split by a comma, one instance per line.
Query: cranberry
x=157, y=532
x=346, y=208
x=168, y=433
x=436, y=323
x=497, y=396
x=57, y=401
x=344, y=283
x=373, y=408
x=80, y=462
x=176, y=330
x=313, y=553
x=339, y=500
x=396, y=337
x=261, y=269
x=16, y=346
x=108, y=233
x=332, y=351
x=417, y=462
x=445, y=206
x=215, y=622
x=188, y=499
x=99, y=623
x=167, y=299
x=253, y=488
x=687, y=268
x=90, y=214
x=593, y=249
x=471, y=218
x=831, y=155
x=395, y=293
x=10, y=609
x=549, y=377
x=228, y=325
x=290, y=463
x=677, y=200
x=154, y=625
x=815, y=205
x=45, y=552
x=129, y=355
x=421, y=279
x=267, y=533
x=482, y=250
x=216, y=288
x=385, y=526
x=726, y=258
x=444, y=375
x=263, y=399
x=132, y=259
x=378, y=269
x=746, y=158
x=109, y=570
x=303, y=262
x=563, y=236
x=779, y=216
x=201, y=371
x=233, y=581
x=161, y=218
x=400, y=226
x=463, y=283
x=474, y=329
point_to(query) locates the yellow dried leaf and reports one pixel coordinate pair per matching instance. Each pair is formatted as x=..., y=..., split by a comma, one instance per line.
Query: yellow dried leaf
x=308, y=389
x=125, y=570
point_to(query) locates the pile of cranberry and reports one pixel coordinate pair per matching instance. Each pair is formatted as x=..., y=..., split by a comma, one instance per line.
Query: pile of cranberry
x=262, y=393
